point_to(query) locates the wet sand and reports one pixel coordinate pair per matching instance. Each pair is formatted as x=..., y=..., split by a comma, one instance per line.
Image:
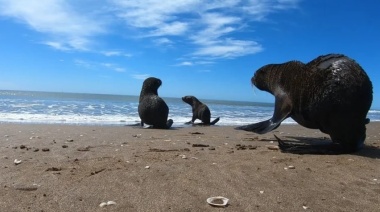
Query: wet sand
x=76, y=168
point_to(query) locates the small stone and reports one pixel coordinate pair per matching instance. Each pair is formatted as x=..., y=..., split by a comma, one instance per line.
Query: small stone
x=147, y=167
x=16, y=161
x=273, y=147
x=45, y=149
x=25, y=188
x=70, y=140
x=22, y=146
x=84, y=149
x=103, y=204
x=53, y=169
x=201, y=145
x=211, y=148
x=291, y=167
x=64, y=146
x=111, y=203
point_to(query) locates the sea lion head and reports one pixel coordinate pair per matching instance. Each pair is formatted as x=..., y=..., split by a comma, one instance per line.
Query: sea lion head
x=189, y=99
x=150, y=86
x=270, y=77
x=265, y=78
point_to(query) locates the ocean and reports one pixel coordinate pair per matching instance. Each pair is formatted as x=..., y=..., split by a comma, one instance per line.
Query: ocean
x=102, y=109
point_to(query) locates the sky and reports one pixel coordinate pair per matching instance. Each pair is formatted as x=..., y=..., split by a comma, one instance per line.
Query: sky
x=209, y=49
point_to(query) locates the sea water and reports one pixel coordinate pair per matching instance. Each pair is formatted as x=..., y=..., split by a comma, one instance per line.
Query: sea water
x=103, y=109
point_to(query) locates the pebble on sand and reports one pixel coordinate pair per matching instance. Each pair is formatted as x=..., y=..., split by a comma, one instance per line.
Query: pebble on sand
x=16, y=161
x=103, y=204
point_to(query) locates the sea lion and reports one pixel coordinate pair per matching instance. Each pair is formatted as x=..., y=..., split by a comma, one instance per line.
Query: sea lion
x=200, y=111
x=331, y=93
x=152, y=109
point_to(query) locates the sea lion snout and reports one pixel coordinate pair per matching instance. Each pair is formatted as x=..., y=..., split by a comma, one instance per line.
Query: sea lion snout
x=259, y=79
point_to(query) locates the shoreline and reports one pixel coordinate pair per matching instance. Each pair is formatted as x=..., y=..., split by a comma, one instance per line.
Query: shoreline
x=77, y=167
x=123, y=124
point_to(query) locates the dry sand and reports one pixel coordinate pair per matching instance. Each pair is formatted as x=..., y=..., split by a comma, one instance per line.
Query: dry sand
x=76, y=168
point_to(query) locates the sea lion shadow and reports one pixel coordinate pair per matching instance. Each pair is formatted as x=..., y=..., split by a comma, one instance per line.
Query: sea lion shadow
x=138, y=126
x=322, y=146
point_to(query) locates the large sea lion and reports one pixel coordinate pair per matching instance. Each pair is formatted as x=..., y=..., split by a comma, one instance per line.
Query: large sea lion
x=152, y=109
x=331, y=93
x=200, y=111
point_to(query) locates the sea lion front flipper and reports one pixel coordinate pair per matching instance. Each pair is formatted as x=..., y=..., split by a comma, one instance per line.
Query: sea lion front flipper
x=169, y=123
x=282, y=110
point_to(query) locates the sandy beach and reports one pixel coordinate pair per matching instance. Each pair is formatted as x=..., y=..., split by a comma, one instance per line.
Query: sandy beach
x=76, y=168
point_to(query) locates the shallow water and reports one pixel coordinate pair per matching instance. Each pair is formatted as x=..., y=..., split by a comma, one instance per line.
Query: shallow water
x=100, y=109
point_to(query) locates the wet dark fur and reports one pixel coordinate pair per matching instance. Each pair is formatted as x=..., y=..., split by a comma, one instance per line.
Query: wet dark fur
x=331, y=93
x=152, y=109
x=200, y=111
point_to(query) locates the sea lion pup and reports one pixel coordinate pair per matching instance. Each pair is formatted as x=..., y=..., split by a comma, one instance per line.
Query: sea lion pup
x=200, y=111
x=152, y=109
x=331, y=93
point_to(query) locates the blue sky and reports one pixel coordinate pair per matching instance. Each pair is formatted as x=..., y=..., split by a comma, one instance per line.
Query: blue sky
x=209, y=49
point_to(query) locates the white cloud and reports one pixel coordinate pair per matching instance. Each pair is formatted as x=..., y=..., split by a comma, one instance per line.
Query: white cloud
x=229, y=49
x=260, y=9
x=215, y=26
x=152, y=13
x=185, y=63
x=98, y=66
x=174, y=28
x=84, y=64
x=211, y=24
x=163, y=41
x=56, y=45
x=207, y=28
x=66, y=28
x=112, y=67
x=115, y=53
x=140, y=76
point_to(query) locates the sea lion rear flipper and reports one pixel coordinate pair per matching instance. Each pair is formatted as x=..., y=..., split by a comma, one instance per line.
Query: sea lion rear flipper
x=215, y=121
x=282, y=110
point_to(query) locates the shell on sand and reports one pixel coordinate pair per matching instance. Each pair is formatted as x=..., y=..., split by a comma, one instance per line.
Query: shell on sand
x=218, y=201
